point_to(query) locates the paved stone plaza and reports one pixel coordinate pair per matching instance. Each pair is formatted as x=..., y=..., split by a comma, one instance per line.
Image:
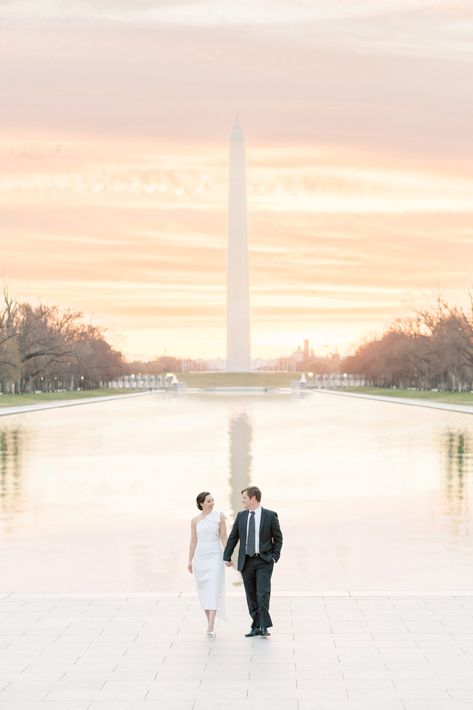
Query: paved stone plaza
x=150, y=653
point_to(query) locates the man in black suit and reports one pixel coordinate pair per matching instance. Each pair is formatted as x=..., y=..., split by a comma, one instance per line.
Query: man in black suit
x=260, y=538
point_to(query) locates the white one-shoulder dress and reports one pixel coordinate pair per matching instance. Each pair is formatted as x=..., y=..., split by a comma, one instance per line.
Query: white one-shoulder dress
x=209, y=567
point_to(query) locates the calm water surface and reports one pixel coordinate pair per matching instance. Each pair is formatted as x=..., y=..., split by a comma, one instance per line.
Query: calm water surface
x=371, y=496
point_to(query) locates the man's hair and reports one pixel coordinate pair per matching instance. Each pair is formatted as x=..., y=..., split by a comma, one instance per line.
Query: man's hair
x=252, y=492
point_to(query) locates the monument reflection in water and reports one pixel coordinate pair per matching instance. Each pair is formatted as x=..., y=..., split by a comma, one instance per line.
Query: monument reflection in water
x=240, y=434
x=371, y=496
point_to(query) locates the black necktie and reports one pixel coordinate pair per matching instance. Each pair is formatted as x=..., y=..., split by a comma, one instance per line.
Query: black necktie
x=250, y=543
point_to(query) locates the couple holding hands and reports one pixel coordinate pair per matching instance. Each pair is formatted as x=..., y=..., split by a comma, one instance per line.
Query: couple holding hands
x=259, y=534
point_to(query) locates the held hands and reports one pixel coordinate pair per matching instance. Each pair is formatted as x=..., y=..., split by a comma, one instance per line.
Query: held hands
x=229, y=564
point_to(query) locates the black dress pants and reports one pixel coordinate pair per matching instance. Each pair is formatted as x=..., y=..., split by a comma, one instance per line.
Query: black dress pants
x=256, y=575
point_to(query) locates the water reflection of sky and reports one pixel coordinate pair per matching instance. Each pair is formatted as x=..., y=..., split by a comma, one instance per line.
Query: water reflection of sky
x=371, y=496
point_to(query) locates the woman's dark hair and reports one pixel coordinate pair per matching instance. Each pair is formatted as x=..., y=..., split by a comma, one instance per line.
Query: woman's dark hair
x=252, y=492
x=200, y=499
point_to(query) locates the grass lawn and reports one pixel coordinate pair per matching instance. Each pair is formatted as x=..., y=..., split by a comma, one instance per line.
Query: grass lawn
x=445, y=397
x=238, y=379
x=12, y=400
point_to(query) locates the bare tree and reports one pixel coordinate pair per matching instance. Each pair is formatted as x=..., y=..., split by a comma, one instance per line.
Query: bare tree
x=45, y=348
x=434, y=349
x=10, y=361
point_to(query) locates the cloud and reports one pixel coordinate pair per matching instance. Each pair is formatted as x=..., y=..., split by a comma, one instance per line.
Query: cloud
x=376, y=82
x=246, y=12
x=113, y=177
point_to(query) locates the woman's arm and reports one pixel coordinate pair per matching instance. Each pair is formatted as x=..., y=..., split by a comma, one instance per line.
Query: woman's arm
x=192, y=545
x=231, y=544
x=223, y=530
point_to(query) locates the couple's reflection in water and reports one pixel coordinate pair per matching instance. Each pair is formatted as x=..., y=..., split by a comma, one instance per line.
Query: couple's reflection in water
x=10, y=476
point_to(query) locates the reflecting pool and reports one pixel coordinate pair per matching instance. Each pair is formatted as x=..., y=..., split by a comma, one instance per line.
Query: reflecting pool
x=371, y=496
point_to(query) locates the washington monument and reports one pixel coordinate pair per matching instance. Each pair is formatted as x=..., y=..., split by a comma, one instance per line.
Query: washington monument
x=238, y=288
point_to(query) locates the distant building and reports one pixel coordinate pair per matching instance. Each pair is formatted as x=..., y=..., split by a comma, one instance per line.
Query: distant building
x=260, y=363
x=298, y=356
x=297, y=361
x=291, y=363
x=216, y=364
x=189, y=365
x=306, y=351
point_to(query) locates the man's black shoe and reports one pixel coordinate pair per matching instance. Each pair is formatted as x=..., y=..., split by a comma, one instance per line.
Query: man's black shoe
x=253, y=632
x=264, y=632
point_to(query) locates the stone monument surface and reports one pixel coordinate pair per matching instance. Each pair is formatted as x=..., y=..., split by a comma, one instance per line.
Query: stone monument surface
x=238, y=288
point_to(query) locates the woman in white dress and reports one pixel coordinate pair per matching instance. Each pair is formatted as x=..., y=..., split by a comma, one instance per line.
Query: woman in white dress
x=208, y=538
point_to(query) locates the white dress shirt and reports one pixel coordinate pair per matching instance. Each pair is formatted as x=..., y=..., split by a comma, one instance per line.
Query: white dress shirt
x=257, y=525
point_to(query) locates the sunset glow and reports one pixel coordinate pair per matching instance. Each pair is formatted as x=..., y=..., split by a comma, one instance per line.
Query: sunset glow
x=114, y=165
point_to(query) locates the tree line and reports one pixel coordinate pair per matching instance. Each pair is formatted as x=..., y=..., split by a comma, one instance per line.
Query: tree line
x=43, y=349
x=432, y=350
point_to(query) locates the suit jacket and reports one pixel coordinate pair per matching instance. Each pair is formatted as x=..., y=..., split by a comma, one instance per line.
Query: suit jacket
x=270, y=537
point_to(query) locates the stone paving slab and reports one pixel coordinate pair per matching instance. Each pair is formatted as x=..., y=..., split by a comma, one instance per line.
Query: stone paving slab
x=147, y=652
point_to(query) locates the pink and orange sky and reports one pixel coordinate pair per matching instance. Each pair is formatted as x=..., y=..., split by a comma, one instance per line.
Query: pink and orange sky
x=114, y=155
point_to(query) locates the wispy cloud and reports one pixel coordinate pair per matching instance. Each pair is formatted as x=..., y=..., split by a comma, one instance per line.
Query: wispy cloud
x=113, y=162
x=246, y=12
